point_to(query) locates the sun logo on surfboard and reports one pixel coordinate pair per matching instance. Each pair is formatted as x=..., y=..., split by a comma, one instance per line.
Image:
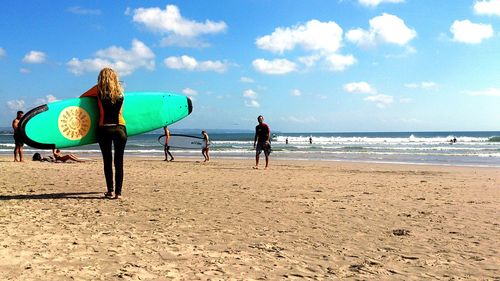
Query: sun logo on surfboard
x=74, y=122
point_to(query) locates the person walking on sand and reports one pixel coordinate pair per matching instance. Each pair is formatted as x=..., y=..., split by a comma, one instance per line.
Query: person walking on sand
x=205, y=146
x=112, y=130
x=18, y=141
x=261, y=141
x=167, y=146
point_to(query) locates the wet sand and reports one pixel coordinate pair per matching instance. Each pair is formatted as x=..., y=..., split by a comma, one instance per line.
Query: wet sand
x=189, y=220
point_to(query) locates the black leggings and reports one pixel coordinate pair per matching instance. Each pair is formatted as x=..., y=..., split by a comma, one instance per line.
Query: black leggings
x=107, y=136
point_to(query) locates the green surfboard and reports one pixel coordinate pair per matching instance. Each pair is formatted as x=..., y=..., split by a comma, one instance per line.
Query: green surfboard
x=74, y=122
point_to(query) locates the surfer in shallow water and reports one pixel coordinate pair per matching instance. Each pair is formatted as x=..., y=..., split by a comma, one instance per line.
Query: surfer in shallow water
x=205, y=147
x=167, y=146
x=112, y=130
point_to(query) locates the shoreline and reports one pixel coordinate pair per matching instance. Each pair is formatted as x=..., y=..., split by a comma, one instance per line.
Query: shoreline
x=278, y=158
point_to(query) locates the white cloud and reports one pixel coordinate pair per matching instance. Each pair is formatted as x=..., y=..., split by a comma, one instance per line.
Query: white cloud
x=299, y=120
x=179, y=30
x=123, y=61
x=277, y=66
x=470, y=33
x=250, y=94
x=386, y=28
x=296, y=93
x=314, y=35
x=3, y=53
x=83, y=11
x=191, y=64
x=252, y=103
x=170, y=20
x=359, y=88
x=491, y=92
x=487, y=7
x=47, y=99
x=310, y=61
x=338, y=62
x=244, y=79
x=374, y=3
x=35, y=57
x=380, y=100
x=422, y=85
x=190, y=92
x=250, y=97
x=16, y=105
x=321, y=41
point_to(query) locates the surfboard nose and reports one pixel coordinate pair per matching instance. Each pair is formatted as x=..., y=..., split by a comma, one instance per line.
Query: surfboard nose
x=190, y=105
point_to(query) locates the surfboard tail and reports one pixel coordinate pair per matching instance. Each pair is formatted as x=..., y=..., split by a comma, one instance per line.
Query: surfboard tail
x=190, y=105
x=22, y=128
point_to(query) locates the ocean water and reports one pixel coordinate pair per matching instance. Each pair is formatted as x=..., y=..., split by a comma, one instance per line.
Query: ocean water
x=471, y=148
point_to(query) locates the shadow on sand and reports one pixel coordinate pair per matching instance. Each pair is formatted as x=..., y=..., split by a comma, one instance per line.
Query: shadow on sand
x=68, y=195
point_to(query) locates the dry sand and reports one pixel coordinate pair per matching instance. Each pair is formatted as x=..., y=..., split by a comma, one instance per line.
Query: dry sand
x=223, y=220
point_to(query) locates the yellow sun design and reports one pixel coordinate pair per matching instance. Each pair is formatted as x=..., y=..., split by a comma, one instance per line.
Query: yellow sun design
x=74, y=122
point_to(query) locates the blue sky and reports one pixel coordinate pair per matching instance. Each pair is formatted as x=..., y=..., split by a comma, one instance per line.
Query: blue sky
x=307, y=66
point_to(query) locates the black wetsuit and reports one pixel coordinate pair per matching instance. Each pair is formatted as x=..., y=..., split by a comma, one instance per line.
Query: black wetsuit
x=112, y=132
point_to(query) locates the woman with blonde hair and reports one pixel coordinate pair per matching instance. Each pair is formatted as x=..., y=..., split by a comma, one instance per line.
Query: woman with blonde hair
x=112, y=130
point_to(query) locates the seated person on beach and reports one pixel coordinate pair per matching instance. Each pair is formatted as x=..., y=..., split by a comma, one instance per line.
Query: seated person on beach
x=60, y=157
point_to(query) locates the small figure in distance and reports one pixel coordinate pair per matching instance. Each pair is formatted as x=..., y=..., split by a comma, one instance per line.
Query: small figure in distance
x=286, y=141
x=310, y=140
x=60, y=157
x=18, y=150
x=261, y=141
x=205, y=146
x=167, y=146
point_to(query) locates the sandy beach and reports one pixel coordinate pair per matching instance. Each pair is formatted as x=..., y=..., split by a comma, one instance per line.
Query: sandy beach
x=222, y=220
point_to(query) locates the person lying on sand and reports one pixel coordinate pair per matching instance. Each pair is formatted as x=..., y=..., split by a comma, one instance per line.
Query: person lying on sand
x=60, y=157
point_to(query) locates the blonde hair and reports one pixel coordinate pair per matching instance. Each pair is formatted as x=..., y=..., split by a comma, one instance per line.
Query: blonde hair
x=108, y=85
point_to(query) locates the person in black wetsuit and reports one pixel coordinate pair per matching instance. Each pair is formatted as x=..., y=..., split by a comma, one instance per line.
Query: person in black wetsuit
x=112, y=130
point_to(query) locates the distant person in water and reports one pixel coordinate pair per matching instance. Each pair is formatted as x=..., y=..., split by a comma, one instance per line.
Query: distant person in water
x=167, y=146
x=205, y=146
x=286, y=141
x=262, y=141
x=60, y=157
x=18, y=141
x=310, y=140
